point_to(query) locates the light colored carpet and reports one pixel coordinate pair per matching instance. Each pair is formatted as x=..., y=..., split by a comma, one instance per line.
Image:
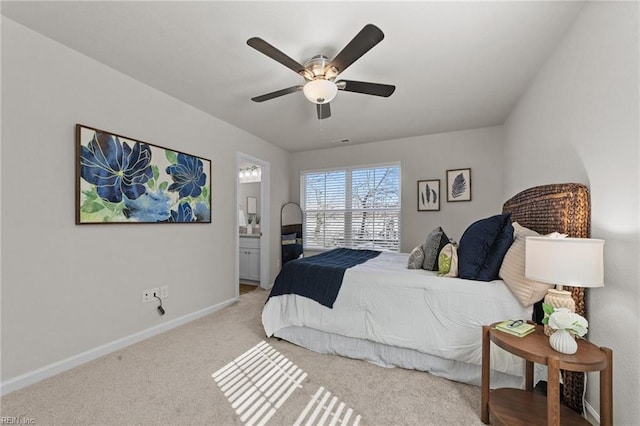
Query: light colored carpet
x=167, y=380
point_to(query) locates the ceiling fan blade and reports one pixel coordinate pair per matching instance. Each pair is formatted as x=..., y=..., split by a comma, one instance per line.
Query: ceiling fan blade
x=376, y=89
x=368, y=37
x=276, y=94
x=263, y=47
x=324, y=111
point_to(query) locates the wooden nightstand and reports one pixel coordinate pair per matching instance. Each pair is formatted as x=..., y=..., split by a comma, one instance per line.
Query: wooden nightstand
x=509, y=406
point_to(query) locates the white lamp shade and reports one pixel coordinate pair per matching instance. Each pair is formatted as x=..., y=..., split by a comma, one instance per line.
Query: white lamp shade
x=575, y=262
x=320, y=91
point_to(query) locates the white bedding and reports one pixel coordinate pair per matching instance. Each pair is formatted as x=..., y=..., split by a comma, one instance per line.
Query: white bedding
x=383, y=301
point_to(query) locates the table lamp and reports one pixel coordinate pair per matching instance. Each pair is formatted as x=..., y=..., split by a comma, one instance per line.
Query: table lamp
x=555, y=259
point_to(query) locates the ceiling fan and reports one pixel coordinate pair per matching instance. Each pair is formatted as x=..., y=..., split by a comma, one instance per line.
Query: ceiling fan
x=319, y=73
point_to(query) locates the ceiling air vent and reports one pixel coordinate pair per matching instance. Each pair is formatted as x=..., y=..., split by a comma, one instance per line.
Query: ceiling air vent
x=341, y=141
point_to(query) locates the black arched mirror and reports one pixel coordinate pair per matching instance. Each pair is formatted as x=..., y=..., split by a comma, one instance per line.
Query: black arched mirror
x=291, y=230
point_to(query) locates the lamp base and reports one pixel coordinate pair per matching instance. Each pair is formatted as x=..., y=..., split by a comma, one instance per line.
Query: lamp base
x=558, y=299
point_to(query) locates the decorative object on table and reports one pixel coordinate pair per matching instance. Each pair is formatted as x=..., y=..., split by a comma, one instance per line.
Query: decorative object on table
x=254, y=223
x=459, y=185
x=517, y=328
x=122, y=180
x=428, y=195
x=566, y=326
x=250, y=219
x=555, y=259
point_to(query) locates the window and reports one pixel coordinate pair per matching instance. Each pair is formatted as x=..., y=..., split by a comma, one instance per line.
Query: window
x=356, y=207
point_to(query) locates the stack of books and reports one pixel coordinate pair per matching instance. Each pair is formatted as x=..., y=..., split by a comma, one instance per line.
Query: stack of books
x=517, y=328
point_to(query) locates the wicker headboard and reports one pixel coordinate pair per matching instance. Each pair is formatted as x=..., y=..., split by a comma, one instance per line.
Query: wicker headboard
x=563, y=208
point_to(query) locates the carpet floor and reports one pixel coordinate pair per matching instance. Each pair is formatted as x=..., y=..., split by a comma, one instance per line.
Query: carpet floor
x=167, y=380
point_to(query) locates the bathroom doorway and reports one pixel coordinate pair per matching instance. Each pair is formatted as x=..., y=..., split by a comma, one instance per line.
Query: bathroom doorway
x=252, y=223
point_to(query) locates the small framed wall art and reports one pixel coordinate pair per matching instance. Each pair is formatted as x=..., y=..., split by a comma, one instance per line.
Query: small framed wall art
x=122, y=180
x=252, y=205
x=459, y=185
x=428, y=195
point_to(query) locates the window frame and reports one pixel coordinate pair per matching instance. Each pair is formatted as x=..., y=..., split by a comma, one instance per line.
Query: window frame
x=348, y=210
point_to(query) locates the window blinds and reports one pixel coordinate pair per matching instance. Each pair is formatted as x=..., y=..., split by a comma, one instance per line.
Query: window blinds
x=354, y=207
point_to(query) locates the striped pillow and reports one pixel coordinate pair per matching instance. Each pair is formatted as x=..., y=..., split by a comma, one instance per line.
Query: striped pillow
x=527, y=291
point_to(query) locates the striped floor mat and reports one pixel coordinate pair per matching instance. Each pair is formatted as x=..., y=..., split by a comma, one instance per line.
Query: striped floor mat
x=259, y=382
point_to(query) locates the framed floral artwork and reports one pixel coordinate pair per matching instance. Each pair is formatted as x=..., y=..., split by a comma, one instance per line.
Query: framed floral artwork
x=429, y=195
x=123, y=180
x=459, y=185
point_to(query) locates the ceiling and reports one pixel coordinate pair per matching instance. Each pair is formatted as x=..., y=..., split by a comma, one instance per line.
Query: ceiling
x=456, y=65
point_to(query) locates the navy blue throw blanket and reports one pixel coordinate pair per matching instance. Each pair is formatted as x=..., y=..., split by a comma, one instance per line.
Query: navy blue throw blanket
x=319, y=277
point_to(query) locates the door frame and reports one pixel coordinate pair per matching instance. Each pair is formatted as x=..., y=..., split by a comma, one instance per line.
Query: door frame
x=265, y=218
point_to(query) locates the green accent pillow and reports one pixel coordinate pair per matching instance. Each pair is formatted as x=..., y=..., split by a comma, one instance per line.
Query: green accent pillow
x=448, y=261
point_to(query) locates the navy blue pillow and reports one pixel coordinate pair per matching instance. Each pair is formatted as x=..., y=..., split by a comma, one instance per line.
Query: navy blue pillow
x=491, y=267
x=476, y=247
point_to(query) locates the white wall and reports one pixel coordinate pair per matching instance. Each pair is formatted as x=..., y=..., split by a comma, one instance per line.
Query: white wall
x=425, y=158
x=67, y=289
x=578, y=122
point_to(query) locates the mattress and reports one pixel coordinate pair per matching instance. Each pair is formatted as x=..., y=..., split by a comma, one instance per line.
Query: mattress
x=382, y=301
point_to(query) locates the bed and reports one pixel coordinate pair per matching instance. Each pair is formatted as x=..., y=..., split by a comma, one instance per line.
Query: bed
x=392, y=316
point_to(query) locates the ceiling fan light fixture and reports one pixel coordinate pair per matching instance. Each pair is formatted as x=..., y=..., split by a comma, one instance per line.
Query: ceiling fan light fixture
x=320, y=91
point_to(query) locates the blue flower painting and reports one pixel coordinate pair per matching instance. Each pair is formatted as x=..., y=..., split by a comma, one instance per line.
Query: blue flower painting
x=184, y=213
x=124, y=180
x=150, y=207
x=188, y=176
x=115, y=168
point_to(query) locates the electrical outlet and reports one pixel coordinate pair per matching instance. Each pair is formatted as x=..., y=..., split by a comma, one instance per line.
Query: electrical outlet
x=164, y=291
x=147, y=295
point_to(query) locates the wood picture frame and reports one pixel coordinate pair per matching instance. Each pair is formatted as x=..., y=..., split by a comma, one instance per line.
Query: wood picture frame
x=123, y=180
x=459, y=185
x=429, y=195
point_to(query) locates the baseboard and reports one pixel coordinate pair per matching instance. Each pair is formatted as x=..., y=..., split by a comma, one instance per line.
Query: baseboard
x=592, y=415
x=42, y=373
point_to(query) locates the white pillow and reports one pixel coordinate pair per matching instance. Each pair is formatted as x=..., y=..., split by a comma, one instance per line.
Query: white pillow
x=527, y=291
